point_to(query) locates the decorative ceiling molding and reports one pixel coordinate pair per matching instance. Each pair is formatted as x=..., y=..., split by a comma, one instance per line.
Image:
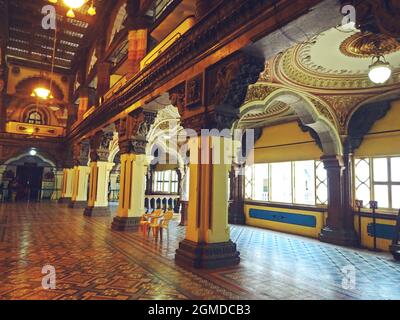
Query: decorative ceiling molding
x=258, y=92
x=343, y=106
x=366, y=45
x=314, y=68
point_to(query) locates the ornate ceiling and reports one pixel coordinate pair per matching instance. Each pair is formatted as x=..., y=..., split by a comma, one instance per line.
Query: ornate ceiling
x=335, y=60
x=331, y=69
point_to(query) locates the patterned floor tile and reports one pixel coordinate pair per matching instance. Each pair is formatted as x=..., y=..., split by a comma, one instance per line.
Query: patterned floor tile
x=93, y=262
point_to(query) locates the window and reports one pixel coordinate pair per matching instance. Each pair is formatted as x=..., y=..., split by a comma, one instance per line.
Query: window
x=166, y=181
x=281, y=182
x=35, y=118
x=300, y=182
x=378, y=179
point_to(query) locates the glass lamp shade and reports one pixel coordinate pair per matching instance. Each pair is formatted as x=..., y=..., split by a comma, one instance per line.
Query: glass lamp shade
x=42, y=93
x=92, y=11
x=379, y=72
x=74, y=4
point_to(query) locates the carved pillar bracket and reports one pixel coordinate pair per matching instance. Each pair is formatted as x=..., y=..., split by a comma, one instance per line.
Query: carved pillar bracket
x=100, y=146
x=361, y=123
x=133, y=131
x=80, y=153
x=225, y=91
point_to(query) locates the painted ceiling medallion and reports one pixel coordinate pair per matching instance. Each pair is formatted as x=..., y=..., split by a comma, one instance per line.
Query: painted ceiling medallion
x=366, y=45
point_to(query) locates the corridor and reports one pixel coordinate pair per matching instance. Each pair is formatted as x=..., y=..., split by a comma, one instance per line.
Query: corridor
x=94, y=262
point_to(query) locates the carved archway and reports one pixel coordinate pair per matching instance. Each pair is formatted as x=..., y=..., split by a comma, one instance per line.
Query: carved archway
x=309, y=114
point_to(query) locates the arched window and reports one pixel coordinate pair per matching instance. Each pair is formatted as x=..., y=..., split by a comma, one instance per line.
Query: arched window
x=35, y=117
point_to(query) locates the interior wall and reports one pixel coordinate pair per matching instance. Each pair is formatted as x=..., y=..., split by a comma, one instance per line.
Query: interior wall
x=384, y=137
x=280, y=143
x=382, y=140
x=285, y=142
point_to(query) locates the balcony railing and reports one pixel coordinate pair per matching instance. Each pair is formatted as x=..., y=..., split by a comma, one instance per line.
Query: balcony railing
x=162, y=201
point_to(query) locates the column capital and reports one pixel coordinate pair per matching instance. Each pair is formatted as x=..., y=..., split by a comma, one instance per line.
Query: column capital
x=333, y=162
x=80, y=153
x=216, y=105
x=100, y=146
x=133, y=131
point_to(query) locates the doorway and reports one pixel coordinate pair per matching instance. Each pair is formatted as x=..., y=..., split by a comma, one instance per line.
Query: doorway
x=29, y=177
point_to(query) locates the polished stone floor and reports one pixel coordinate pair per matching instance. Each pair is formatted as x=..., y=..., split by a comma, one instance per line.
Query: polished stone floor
x=93, y=262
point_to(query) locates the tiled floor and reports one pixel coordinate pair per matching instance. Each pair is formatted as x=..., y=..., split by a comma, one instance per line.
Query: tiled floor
x=93, y=262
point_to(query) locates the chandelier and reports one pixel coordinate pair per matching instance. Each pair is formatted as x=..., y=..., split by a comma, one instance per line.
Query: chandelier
x=76, y=4
x=380, y=70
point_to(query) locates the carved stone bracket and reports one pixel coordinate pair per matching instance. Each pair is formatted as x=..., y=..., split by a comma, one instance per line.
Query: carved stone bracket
x=100, y=146
x=225, y=92
x=133, y=131
x=361, y=123
x=312, y=132
x=229, y=80
x=80, y=153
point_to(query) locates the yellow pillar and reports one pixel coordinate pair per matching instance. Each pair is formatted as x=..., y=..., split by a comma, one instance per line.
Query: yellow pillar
x=207, y=243
x=66, y=190
x=98, y=189
x=132, y=192
x=79, y=187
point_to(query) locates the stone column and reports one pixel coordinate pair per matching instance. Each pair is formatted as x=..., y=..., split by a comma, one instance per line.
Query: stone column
x=132, y=132
x=132, y=192
x=66, y=190
x=207, y=243
x=80, y=175
x=100, y=170
x=184, y=195
x=236, y=207
x=149, y=180
x=98, y=189
x=58, y=184
x=339, y=229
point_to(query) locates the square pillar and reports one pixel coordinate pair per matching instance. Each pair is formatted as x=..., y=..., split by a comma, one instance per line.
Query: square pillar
x=79, y=187
x=66, y=187
x=207, y=244
x=98, y=189
x=132, y=192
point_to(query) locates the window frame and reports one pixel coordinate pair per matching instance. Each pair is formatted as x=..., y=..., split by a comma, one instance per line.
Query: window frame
x=317, y=184
x=159, y=182
x=35, y=121
x=372, y=183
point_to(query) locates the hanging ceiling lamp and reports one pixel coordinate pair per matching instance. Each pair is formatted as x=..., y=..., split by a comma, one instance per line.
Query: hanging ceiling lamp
x=76, y=4
x=42, y=93
x=380, y=70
